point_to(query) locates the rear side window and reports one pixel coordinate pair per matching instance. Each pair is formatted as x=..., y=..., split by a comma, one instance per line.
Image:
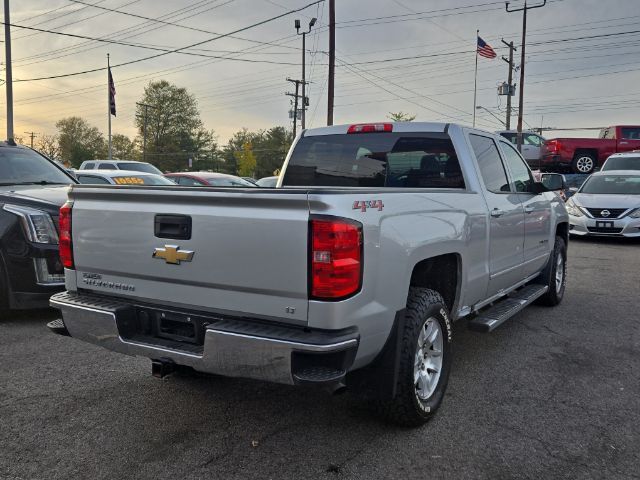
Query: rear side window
x=107, y=166
x=491, y=167
x=89, y=166
x=630, y=133
x=401, y=160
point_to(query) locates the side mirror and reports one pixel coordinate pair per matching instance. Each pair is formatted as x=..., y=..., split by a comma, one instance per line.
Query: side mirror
x=553, y=181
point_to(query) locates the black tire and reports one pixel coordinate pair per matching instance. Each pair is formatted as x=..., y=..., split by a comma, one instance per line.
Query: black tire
x=4, y=292
x=548, y=276
x=406, y=408
x=583, y=163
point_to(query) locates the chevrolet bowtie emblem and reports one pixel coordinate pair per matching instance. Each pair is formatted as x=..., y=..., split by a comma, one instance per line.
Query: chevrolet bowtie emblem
x=173, y=254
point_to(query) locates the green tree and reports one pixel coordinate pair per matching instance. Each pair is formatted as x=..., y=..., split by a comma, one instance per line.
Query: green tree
x=122, y=147
x=174, y=129
x=235, y=145
x=268, y=146
x=271, y=147
x=246, y=160
x=79, y=141
x=401, y=117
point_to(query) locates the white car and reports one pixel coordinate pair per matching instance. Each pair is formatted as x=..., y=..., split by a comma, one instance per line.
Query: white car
x=120, y=177
x=130, y=165
x=607, y=203
x=622, y=161
x=531, y=145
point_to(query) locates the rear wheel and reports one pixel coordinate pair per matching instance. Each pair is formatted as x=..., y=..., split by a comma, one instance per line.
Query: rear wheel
x=583, y=163
x=425, y=360
x=555, y=275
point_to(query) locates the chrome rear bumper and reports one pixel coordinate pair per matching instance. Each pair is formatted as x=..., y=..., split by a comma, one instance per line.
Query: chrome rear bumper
x=234, y=348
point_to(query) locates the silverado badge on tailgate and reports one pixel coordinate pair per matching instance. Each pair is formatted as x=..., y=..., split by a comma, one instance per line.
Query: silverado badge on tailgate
x=173, y=254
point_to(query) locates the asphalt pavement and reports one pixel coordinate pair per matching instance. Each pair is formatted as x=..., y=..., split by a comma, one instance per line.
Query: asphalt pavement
x=552, y=393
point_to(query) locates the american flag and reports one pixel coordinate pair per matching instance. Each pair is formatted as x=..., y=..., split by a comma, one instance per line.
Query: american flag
x=485, y=50
x=112, y=94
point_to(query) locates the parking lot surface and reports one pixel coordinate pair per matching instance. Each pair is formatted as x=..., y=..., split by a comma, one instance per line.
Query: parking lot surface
x=553, y=393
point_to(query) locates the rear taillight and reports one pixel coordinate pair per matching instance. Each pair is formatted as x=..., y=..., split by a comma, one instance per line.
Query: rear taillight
x=335, y=258
x=370, y=128
x=66, y=246
x=553, y=146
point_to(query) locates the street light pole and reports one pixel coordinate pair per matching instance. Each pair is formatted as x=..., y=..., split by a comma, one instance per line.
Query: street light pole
x=479, y=107
x=304, y=80
x=522, y=59
x=8, y=73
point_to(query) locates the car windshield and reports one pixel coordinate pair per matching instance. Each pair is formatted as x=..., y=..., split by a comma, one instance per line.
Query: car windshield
x=20, y=166
x=612, y=185
x=139, y=167
x=142, y=180
x=622, y=163
x=575, y=180
x=228, y=182
x=267, y=182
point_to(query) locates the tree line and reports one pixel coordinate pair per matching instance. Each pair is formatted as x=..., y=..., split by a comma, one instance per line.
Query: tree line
x=175, y=139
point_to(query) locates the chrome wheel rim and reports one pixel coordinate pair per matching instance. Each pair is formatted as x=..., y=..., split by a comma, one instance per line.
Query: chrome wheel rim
x=559, y=272
x=584, y=164
x=428, y=360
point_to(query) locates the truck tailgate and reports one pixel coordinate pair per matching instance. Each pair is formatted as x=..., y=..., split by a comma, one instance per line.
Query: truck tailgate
x=249, y=248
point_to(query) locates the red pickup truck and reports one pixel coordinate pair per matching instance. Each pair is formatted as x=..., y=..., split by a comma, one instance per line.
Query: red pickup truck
x=584, y=155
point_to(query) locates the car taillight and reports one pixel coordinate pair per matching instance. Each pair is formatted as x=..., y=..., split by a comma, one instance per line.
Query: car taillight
x=553, y=146
x=335, y=261
x=370, y=128
x=65, y=243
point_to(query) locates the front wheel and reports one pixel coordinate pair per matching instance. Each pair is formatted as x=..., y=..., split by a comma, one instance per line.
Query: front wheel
x=425, y=360
x=555, y=275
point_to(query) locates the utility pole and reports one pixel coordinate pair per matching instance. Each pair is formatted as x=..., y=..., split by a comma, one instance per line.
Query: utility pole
x=522, y=60
x=32, y=135
x=332, y=60
x=295, y=103
x=8, y=73
x=144, y=129
x=304, y=46
x=509, y=81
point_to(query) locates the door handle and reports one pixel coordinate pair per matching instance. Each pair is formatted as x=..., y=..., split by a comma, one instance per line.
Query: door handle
x=528, y=209
x=623, y=143
x=496, y=212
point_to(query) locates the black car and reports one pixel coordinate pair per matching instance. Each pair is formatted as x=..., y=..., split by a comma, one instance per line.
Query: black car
x=32, y=189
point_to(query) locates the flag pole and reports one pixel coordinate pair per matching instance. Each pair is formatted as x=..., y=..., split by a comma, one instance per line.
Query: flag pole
x=475, y=81
x=109, y=103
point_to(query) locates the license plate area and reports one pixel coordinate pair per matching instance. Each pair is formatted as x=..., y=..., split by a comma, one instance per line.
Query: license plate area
x=167, y=328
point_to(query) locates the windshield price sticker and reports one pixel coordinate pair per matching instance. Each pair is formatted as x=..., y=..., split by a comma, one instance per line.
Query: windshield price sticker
x=129, y=180
x=363, y=205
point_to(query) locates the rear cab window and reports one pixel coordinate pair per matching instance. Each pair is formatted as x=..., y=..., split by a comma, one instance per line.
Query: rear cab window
x=390, y=159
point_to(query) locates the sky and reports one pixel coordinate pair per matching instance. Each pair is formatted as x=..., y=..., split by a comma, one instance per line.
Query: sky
x=414, y=56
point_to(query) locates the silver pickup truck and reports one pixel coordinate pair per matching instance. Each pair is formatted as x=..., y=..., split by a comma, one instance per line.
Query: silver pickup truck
x=349, y=273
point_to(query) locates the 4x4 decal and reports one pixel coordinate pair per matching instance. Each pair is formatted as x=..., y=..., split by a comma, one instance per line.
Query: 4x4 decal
x=362, y=205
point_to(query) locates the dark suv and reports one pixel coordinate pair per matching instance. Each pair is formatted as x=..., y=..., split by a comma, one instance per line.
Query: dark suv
x=32, y=189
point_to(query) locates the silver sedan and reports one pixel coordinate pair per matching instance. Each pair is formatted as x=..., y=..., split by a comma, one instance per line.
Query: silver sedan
x=608, y=203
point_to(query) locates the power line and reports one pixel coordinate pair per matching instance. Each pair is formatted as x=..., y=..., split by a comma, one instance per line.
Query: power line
x=126, y=44
x=140, y=28
x=176, y=50
x=155, y=20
